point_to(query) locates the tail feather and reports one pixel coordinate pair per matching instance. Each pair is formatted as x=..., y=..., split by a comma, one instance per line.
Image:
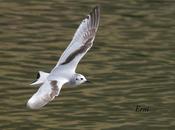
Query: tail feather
x=41, y=77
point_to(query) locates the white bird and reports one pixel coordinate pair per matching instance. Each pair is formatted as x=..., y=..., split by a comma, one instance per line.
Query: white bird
x=64, y=71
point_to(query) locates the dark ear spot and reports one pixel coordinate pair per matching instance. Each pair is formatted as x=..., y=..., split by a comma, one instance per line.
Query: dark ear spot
x=76, y=79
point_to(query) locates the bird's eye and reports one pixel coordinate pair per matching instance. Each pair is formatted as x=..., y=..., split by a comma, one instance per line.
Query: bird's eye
x=81, y=78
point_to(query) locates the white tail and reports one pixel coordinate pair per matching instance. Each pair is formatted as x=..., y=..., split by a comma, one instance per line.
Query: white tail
x=41, y=77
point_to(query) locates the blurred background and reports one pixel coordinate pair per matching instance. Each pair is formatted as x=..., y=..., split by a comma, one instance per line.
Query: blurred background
x=131, y=63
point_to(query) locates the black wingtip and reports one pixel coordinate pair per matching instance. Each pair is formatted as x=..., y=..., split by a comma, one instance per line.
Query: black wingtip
x=97, y=7
x=38, y=75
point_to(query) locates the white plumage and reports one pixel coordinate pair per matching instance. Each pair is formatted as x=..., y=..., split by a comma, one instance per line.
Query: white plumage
x=64, y=71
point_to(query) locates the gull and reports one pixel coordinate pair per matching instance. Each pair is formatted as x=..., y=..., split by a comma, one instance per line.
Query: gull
x=64, y=73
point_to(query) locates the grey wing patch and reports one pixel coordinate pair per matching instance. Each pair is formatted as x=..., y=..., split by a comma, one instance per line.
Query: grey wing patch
x=54, y=89
x=81, y=50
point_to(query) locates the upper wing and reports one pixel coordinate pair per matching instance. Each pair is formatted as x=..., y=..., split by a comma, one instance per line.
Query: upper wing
x=81, y=42
x=45, y=93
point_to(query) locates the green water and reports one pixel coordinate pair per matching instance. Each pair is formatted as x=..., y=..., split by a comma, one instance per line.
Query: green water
x=131, y=63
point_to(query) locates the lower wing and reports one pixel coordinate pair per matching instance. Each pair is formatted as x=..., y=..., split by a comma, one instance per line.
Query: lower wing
x=45, y=93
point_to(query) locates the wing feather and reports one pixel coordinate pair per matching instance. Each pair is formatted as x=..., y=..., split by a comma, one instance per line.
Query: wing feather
x=81, y=42
x=46, y=93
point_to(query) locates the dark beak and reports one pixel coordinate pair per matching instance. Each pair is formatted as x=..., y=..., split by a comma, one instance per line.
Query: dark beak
x=88, y=81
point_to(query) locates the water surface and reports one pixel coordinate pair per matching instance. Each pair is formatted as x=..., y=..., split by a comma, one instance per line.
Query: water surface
x=131, y=63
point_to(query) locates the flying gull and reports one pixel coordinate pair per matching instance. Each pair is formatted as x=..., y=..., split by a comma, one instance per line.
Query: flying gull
x=64, y=71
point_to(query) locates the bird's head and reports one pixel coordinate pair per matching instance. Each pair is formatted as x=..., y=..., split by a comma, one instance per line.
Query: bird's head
x=79, y=79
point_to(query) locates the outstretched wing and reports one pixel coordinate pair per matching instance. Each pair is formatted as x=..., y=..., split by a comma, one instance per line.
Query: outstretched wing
x=45, y=93
x=81, y=42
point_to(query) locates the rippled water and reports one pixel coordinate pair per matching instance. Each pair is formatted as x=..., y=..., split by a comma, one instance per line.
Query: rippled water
x=131, y=63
